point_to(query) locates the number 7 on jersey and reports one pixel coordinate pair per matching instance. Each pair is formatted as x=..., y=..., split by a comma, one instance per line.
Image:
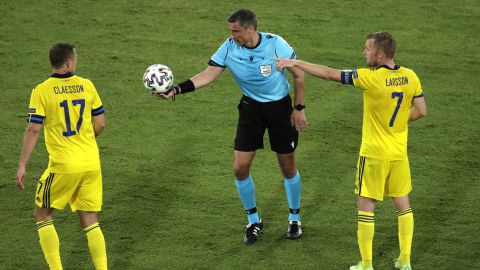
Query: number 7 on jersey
x=399, y=102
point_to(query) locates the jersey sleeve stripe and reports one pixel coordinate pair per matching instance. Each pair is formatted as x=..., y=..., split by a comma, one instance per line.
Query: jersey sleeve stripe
x=98, y=111
x=35, y=118
x=215, y=64
x=421, y=95
x=293, y=56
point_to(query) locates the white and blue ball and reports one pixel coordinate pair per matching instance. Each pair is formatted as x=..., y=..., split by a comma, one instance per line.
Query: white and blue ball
x=158, y=78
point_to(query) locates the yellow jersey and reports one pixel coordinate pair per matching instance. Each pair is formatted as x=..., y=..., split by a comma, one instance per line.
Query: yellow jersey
x=388, y=95
x=65, y=105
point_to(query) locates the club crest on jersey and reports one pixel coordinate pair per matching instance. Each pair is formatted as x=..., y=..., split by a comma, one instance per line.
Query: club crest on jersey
x=266, y=70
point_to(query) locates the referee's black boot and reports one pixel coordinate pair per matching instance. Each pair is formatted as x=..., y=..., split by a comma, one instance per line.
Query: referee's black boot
x=251, y=235
x=294, y=230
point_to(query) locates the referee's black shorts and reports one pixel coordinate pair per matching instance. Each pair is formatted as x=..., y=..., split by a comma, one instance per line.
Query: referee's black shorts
x=254, y=117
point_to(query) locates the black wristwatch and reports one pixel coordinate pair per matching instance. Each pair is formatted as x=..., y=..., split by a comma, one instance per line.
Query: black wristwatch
x=299, y=107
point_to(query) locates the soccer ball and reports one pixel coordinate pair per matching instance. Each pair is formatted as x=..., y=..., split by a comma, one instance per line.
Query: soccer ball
x=158, y=78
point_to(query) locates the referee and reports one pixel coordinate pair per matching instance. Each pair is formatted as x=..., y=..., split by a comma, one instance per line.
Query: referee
x=265, y=104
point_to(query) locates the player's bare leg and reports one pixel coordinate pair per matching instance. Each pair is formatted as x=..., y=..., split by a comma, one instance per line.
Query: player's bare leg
x=87, y=218
x=401, y=203
x=366, y=204
x=96, y=241
x=42, y=214
x=405, y=231
x=293, y=188
x=48, y=236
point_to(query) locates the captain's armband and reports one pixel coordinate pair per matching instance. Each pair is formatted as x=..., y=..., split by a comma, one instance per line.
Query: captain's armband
x=348, y=75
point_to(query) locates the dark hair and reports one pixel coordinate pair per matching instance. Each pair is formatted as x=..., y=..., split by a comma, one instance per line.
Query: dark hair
x=385, y=42
x=60, y=53
x=244, y=17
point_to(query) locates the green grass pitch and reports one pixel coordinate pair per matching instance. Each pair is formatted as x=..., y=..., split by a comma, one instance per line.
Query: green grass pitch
x=170, y=201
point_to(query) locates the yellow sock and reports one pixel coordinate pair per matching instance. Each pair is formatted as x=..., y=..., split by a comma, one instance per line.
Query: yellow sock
x=96, y=245
x=405, y=234
x=365, y=232
x=50, y=244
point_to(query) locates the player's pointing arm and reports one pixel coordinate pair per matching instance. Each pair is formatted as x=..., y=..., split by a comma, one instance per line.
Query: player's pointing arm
x=323, y=72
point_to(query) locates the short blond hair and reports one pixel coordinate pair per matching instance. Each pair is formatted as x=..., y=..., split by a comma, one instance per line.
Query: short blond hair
x=385, y=42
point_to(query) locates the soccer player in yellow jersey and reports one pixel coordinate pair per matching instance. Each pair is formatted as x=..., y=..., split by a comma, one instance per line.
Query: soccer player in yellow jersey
x=71, y=112
x=392, y=97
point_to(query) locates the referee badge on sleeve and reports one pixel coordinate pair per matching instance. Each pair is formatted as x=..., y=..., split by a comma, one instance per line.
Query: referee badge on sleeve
x=266, y=70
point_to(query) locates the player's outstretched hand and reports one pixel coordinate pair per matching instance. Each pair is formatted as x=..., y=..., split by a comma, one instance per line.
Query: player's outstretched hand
x=284, y=63
x=20, y=177
x=170, y=93
x=299, y=120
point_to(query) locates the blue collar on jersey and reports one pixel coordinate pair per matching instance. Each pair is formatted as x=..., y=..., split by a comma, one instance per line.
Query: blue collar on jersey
x=387, y=67
x=258, y=44
x=65, y=75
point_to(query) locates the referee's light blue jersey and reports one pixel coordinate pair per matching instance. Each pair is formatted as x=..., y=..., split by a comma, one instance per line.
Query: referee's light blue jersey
x=253, y=68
